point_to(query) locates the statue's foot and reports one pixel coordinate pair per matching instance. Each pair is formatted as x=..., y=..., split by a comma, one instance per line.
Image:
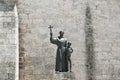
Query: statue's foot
x=69, y=71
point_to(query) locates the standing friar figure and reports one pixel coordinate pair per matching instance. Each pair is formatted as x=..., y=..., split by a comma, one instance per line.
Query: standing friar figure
x=60, y=41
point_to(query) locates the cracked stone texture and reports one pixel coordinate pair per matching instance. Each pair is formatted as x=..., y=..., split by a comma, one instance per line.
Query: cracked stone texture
x=38, y=53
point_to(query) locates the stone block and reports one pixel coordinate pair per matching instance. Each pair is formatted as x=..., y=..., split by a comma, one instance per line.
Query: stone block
x=11, y=36
x=7, y=19
x=11, y=76
x=3, y=30
x=8, y=25
x=12, y=41
x=1, y=24
x=3, y=36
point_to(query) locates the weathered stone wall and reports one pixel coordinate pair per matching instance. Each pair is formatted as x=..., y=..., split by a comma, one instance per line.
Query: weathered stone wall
x=8, y=43
x=94, y=36
x=39, y=54
x=106, y=38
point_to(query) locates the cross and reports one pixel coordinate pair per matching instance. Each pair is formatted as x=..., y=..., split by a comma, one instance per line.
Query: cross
x=50, y=28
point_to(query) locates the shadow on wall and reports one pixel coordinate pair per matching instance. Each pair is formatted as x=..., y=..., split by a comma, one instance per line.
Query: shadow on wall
x=89, y=43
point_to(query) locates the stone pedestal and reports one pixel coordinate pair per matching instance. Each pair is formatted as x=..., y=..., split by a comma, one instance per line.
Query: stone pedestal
x=64, y=76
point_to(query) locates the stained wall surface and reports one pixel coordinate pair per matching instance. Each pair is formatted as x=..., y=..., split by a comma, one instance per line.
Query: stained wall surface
x=91, y=25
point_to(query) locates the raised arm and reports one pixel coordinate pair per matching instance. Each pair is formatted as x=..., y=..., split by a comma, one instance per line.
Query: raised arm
x=54, y=41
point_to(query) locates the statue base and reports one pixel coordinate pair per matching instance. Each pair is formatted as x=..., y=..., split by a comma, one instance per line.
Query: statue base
x=64, y=76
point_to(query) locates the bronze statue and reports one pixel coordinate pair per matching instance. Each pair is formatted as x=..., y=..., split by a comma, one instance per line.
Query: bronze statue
x=69, y=50
x=63, y=51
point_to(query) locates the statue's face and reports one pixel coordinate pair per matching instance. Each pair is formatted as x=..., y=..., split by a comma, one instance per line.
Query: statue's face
x=61, y=35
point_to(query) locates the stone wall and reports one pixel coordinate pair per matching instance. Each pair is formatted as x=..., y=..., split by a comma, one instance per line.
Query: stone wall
x=38, y=53
x=106, y=38
x=94, y=36
x=8, y=43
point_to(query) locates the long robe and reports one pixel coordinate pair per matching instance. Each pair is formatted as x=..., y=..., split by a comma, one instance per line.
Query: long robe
x=61, y=62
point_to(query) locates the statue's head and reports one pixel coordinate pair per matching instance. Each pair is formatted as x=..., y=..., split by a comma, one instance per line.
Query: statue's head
x=69, y=44
x=61, y=33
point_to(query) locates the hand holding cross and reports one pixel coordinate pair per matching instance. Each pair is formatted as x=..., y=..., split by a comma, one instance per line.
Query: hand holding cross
x=50, y=29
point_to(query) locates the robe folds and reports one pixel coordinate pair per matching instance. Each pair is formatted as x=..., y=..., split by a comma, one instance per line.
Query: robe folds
x=61, y=61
